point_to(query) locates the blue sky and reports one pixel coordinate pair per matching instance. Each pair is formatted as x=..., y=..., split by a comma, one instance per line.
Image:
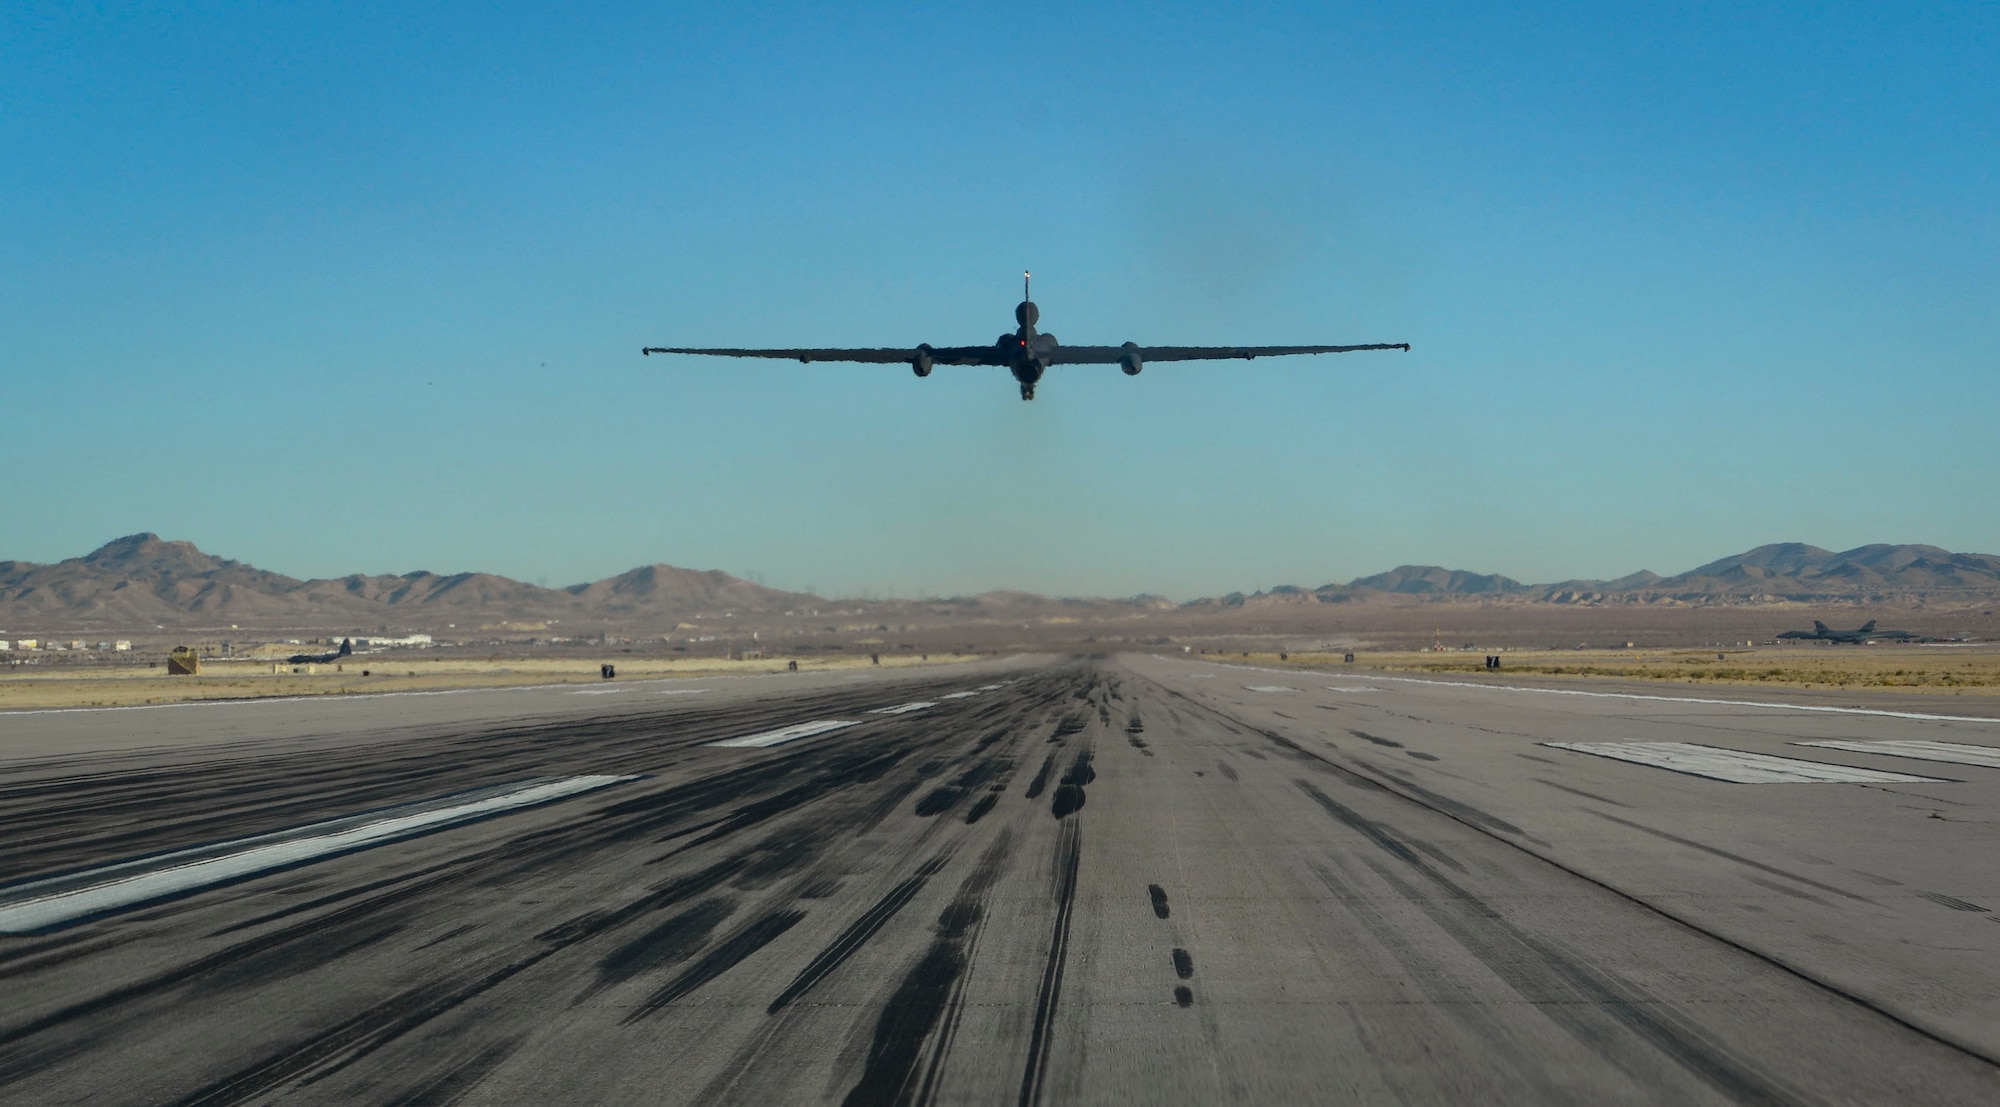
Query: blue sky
x=332, y=288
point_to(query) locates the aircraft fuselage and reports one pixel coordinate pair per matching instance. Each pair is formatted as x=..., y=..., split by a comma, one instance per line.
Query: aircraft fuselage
x=1029, y=353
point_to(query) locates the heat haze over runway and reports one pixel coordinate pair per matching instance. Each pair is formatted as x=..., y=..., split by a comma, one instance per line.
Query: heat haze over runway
x=1030, y=880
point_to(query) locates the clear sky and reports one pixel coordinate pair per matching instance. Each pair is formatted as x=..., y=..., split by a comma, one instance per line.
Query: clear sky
x=348, y=287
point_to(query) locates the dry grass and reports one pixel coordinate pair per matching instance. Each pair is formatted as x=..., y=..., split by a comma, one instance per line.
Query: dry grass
x=233, y=679
x=1968, y=670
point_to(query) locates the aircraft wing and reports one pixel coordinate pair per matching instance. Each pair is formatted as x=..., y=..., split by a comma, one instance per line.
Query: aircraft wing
x=1112, y=355
x=942, y=355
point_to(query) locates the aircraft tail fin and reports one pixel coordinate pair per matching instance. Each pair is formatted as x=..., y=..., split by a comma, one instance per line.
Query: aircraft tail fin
x=346, y=648
x=1869, y=627
x=1819, y=626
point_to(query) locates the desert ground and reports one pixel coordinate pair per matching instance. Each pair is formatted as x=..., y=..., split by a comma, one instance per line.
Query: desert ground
x=1721, y=645
x=140, y=682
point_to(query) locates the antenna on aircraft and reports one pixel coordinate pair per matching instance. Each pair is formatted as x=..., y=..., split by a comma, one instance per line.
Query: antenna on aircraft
x=1024, y=285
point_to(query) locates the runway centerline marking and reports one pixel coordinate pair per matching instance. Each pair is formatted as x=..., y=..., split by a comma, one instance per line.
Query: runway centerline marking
x=1956, y=753
x=1736, y=766
x=958, y=696
x=904, y=708
x=779, y=737
x=72, y=897
x=1266, y=688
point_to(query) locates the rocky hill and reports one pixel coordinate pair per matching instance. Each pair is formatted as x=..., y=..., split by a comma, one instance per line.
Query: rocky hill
x=142, y=580
x=1780, y=572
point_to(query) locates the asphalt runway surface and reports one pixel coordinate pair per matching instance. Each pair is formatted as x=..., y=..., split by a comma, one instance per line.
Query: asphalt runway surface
x=1038, y=880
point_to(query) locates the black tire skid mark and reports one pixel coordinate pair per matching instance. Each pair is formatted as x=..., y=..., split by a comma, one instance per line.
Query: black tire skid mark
x=1041, y=780
x=985, y=805
x=108, y=1002
x=689, y=808
x=672, y=941
x=856, y=935
x=967, y=907
x=1069, y=796
x=1592, y=796
x=360, y=1035
x=455, y=1081
x=1068, y=859
x=1389, y=743
x=1564, y=988
x=1945, y=1039
x=1587, y=991
x=217, y=799
x=561, y=936
x=727, y=954
x=948, y=795
x=928, y=1002
x=1726, y=855
x=1413, y=961
x=33, y=955
x=722, y=1086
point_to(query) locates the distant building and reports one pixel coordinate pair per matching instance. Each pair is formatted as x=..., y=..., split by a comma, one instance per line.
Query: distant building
x=381, y=643
x=5, y=645
x=123, y=645
x=27, y=644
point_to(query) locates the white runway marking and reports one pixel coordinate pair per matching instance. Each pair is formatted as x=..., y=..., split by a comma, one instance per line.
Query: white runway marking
x=683, y=691
x=959, y=696
x=1957, y=753
x=66, y=899
x=597, y=692
x=1350, y=688
x=1266, y=688
x=1736, y=766
x=786, y=734
x=904, y=708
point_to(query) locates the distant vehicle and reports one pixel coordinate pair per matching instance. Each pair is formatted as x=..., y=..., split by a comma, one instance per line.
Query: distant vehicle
x=346, y=650
x=1864, y=633
x=1028, y=354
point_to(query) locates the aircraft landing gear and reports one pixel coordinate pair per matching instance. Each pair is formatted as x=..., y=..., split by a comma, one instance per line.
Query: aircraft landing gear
x=1027, y=391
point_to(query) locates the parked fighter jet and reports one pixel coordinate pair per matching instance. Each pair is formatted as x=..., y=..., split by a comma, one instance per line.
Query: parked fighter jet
x=1865, y=633
x=1029, y=353
x=346, y=650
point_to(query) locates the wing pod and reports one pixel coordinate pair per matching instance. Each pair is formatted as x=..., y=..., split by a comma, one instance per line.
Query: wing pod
x=921, y=363
x=1129, y=359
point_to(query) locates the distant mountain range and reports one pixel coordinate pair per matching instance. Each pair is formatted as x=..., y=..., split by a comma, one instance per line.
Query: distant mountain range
x=1782, y=571
x=142, y=581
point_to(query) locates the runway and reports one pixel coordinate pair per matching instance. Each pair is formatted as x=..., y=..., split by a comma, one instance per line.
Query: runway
x=1129, y=879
